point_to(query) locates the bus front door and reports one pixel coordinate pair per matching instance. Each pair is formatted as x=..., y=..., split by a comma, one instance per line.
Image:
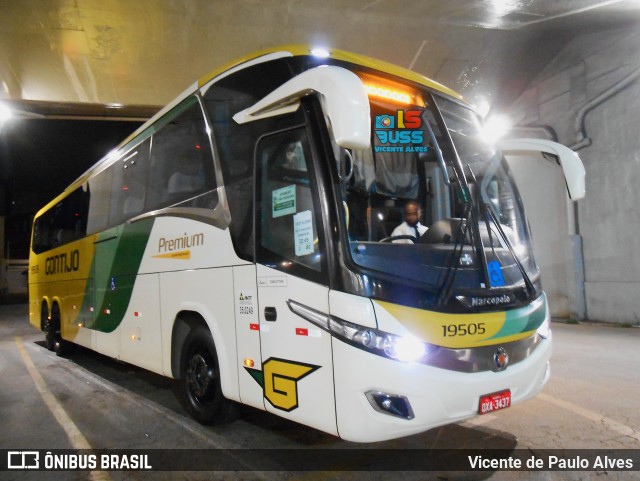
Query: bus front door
x=297, y=365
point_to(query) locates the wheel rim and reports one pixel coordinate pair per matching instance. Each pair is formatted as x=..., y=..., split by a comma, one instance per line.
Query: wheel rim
x=201, y=376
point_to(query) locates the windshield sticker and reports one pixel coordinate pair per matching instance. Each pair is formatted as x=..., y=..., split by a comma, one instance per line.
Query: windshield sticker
x=401, y=132
x=246, y=306
x=495, y=274
x=283, y=201
x=303, y=233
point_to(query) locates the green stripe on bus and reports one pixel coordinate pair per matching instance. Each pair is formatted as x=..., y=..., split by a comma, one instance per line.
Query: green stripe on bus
x=117, y=260
x=525, y=319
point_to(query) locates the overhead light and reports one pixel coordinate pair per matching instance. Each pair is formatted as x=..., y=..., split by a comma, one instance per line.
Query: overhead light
x=496, y=127
x=483, y=107
x=320, y=52
x=114, y=105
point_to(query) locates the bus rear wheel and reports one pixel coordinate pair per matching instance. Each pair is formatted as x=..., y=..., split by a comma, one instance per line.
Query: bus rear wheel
x=49, y=335
x=47, y=328
x=200, y=387
x=62, y=347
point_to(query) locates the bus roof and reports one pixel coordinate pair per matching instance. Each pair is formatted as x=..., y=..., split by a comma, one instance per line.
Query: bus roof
x=307, y=50
x=283, y=51
x=295, y=51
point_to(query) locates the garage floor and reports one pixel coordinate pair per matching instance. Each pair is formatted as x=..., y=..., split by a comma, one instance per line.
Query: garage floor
x=89, y=401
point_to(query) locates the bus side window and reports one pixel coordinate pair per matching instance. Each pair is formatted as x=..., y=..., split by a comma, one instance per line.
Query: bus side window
x=129, y=179
x=63, y=223
x=288, y=215
x=181, y=160
x=236, y=143
x=100, y=188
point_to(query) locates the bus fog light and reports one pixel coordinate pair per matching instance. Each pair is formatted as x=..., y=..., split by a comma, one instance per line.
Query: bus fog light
x=391, y=404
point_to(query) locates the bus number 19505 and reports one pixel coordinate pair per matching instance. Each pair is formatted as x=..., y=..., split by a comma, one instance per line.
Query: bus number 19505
x=471, y=329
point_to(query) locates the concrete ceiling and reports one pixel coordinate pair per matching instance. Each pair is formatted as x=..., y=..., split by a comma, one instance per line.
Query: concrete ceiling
x=82, y=57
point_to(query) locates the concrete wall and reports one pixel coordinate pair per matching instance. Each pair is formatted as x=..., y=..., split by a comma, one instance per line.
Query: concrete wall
x=542, y=188
x=604, y=67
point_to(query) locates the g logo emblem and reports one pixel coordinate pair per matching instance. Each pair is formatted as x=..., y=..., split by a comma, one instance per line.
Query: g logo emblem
x=279, y=380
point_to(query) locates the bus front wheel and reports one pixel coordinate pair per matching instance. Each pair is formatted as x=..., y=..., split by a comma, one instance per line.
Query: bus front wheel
x=200, y=380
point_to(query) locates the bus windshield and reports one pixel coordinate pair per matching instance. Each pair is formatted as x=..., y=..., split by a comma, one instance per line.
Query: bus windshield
x=429, y=157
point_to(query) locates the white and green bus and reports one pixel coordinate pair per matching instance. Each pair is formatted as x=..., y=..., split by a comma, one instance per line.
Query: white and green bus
x=241, y=242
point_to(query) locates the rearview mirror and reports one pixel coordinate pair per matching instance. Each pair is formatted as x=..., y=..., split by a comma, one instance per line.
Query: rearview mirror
x=343, y=97
x=570, y=162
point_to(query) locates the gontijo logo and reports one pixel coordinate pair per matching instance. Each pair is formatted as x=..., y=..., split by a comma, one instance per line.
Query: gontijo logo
x=401, y=132
x=62, y=263
x=279, y=381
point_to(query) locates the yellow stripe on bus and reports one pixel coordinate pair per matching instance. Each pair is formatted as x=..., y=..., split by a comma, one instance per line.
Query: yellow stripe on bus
x=454, y=331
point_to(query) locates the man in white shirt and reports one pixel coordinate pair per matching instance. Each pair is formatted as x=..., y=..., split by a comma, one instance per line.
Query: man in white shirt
x=411, y=225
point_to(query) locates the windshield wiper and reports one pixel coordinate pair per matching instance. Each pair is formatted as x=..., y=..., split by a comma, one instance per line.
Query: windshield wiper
x=456, y=254
x=489, y=215
x=465, y=225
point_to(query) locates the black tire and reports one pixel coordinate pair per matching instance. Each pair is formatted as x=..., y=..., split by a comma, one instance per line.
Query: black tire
x=200, y=388
x=48, y=328
x=63, y=348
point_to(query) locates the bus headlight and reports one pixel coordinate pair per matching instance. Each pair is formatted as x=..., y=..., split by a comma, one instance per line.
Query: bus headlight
x=366, y=338
x=409, y=349
x=400, y=348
